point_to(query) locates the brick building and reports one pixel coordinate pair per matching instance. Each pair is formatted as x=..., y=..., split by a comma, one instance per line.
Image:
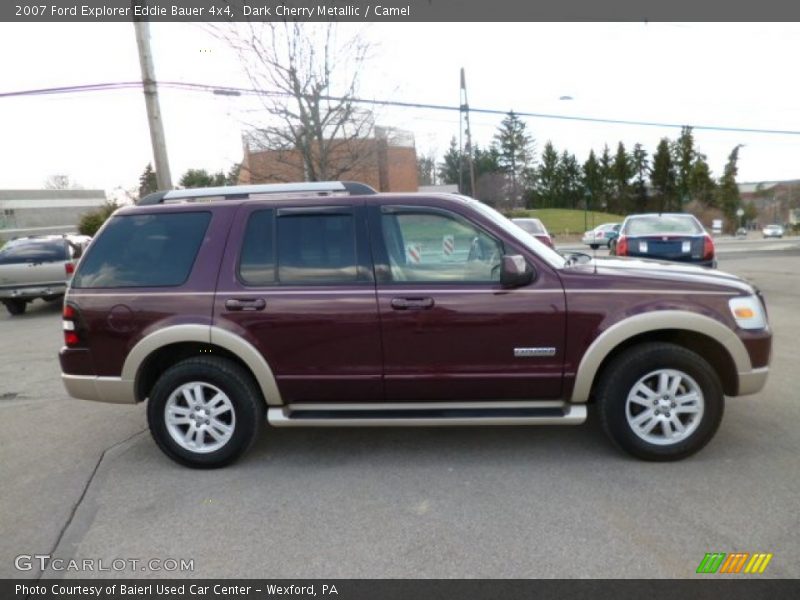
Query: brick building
x=387, y=162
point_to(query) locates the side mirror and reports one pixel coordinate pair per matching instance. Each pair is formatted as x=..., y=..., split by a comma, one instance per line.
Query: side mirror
x=514, y=271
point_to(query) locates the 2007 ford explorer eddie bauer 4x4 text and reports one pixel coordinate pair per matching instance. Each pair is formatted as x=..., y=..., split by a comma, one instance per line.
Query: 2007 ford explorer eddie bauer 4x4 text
x=326, y=304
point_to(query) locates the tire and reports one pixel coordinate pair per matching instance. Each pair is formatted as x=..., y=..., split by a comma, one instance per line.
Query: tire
x=621, y=401
x=225, y=387
x=594, y=246
x=15, y=307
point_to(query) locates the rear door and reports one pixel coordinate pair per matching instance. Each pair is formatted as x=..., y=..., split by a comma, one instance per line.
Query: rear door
x=297, y=283
x=450, y=330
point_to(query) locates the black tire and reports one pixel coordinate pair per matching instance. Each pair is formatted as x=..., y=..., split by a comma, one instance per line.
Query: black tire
x=618, y=379
x=240, y=389
x=15, y=307
x=594, y=246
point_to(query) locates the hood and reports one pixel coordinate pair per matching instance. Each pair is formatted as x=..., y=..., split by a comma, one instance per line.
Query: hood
x=670, y=273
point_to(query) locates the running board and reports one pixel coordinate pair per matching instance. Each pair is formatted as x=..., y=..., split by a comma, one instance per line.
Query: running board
x=426, y=414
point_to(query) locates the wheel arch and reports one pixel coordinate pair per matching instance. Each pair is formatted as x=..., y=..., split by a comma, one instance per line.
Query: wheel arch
x=152, y=355
x=712, y=340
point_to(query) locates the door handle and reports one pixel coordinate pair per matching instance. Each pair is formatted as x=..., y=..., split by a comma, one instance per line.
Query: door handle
x=412, y=303
x=245, y=304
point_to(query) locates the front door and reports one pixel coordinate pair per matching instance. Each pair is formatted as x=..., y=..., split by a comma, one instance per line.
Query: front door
x=450, y=330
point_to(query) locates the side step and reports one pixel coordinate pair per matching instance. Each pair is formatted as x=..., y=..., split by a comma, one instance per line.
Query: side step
x=426, y=414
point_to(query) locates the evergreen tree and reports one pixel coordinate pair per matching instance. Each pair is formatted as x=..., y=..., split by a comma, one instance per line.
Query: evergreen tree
x=147, y=181
x=571, y=184
x=684, y=156
x=663, y=176
x=640, y=166
x=450, y=167
x=516, y=150
x=196, y=178
x=548, y=182
x=728, y=192
x=622, y=172
x=607, y=180
x=426, y=170
x=592, y=180
x=701, y=183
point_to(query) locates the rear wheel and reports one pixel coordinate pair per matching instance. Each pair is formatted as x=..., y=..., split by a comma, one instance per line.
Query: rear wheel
x=594, y=246
x=205, y=412
x=15, y=306
x=660, y=401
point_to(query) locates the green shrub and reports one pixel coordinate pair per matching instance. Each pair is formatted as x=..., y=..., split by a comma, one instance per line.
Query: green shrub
x=92, y=221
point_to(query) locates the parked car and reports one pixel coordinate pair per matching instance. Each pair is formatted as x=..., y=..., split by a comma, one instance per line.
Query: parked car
x=602, y=235
x=326, y=304
x=741, y=233
x=772, y=231
x=675, y=237
x=536, y=228
x=37, y=267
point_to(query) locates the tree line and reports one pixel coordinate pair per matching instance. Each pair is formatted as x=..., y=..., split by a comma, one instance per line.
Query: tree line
x=508, y=175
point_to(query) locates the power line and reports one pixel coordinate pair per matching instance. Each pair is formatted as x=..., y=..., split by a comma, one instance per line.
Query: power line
x=236, y=91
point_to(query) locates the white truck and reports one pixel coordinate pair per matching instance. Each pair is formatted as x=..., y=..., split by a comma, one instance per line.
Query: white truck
x=37, y=267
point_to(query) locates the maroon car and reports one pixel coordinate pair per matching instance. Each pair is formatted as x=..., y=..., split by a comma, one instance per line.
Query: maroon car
x=326, y=304
x=536, y=228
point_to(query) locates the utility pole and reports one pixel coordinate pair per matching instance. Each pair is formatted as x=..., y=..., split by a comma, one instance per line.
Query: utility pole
x=464, y=110
x=154, y=119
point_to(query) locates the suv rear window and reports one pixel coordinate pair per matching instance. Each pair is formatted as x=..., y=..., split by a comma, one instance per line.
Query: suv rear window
x=33, y=251
x=153, y=250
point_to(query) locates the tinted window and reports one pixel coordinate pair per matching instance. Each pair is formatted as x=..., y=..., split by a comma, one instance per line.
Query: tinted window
x=434, y=247
x=680, y=224
x=144, y=250
x=33, y=251
x=257, y=261
x=316, y=248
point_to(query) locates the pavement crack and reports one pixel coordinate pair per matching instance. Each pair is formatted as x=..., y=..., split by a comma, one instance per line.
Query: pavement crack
x=86, y=487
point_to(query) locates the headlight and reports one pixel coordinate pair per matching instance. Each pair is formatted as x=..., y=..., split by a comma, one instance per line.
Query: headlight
x=748, y=312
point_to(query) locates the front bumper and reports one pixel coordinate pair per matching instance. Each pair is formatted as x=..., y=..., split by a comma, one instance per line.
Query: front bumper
x=753, y=381
x=99, y=389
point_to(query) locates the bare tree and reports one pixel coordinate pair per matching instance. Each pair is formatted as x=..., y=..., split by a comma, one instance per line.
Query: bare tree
x=308, y=78
x=61, y=182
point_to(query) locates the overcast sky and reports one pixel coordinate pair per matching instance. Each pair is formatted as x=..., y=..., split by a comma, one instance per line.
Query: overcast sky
x=735, y=75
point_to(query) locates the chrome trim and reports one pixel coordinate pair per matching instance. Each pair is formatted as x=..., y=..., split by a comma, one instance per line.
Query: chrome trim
x=345, y=406
x=281, y=417
x=268, y=188
x=534, y=352
x=752, y=381
x=657, y=292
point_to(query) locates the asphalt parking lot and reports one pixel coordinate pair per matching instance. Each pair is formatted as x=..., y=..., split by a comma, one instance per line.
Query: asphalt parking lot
x=84, y=480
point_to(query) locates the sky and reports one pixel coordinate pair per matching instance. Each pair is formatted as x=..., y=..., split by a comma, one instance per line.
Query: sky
x=735, y=75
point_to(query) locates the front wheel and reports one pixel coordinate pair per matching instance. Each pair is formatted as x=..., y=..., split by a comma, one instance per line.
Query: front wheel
x=205, y=412
x=660, y=401
x=594, y=246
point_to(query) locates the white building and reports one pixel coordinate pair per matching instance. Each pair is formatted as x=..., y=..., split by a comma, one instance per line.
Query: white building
x=30, y=212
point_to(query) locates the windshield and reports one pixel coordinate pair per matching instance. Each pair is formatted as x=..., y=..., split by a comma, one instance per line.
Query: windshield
x=661, y=224
x=532, y=226
x=548, y=254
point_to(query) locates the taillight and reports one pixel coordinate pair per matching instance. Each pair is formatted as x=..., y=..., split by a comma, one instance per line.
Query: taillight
x=708, y=248
x=71, y=336
x=69, y=268
x=622, y=247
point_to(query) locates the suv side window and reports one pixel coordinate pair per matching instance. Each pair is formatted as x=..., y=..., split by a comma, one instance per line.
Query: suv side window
x=316, y=247
x=144, y=250
x=439, y=247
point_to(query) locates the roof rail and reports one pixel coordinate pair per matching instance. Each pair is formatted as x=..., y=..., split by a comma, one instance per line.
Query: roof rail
x=246, y=192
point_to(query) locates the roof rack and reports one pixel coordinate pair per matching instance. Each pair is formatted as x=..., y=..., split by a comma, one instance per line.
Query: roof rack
x=256, y=192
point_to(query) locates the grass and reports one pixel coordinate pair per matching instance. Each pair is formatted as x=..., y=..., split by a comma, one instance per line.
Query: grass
x=566, y=221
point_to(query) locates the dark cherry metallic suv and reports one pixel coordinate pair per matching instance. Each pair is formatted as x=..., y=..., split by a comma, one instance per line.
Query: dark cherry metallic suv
x=330, y=305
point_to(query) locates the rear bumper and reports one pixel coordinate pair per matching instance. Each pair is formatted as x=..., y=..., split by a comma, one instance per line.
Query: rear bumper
x=99, y=389
x=35, y=291
x=753, y=381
